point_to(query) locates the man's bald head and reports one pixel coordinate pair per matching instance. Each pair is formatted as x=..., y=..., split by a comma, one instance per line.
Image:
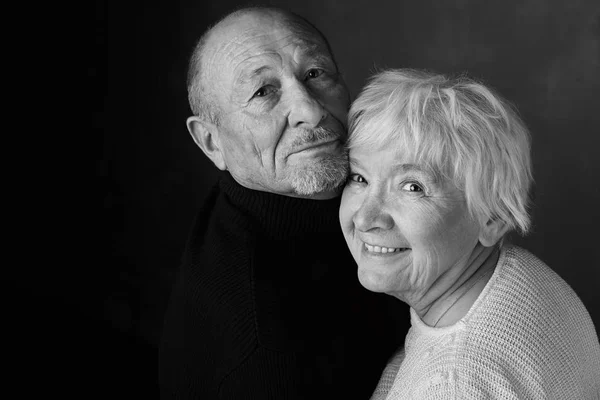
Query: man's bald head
x=199, y=86
x=270, y=104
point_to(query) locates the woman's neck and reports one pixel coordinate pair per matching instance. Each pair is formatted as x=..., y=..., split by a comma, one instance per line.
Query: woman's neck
x=456, y=301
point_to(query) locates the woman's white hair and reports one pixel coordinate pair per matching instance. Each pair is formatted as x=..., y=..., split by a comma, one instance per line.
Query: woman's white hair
x=456, y=127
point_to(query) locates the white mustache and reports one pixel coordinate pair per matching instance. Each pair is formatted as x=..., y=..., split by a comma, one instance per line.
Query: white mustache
x=319, y=134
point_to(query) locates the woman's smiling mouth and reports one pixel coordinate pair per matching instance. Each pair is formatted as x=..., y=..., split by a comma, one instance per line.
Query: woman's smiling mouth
x=383, y=249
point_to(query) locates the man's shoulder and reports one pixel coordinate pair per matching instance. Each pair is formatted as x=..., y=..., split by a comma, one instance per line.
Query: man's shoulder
x=216, y=267
x=213, y=277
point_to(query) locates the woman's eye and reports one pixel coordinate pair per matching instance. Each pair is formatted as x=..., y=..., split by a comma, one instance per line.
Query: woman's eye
x=356, y=178
x=412, y=187
x=314, y=73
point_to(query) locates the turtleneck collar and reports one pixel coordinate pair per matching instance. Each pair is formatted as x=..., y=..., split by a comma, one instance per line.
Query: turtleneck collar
x=282, y=216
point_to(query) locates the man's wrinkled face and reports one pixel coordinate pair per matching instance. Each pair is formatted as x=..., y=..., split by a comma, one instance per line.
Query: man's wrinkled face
x=283, y=106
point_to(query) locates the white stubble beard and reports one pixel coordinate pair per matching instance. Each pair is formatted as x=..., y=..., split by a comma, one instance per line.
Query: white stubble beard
x=323, y=175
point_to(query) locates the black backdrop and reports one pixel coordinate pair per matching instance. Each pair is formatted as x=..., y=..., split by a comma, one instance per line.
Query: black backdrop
x=544, y=56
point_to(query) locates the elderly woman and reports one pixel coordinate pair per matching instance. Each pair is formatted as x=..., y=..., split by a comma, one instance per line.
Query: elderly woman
x=440, y=173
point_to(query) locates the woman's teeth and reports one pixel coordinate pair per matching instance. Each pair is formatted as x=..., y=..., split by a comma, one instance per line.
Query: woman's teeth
x=379, y=249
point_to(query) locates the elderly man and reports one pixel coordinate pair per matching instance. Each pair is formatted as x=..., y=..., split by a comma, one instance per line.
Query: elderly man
x=266, y=304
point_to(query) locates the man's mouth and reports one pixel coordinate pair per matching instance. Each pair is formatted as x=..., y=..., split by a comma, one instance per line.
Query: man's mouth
x=313, y=145
x=313, y=138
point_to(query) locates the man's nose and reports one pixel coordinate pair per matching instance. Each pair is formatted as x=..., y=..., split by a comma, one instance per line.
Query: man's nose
x=373, y=215
x=306, y=111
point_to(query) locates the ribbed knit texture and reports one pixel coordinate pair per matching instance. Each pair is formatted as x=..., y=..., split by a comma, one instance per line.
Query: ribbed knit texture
x=267, y=305
x=527, y=336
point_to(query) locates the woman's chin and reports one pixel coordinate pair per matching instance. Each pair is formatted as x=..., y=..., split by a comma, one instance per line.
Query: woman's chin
x=374, y=281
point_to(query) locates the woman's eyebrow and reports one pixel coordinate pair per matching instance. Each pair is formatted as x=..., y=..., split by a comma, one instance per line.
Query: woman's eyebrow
x=403, y=167
x=354, y=162
x=425, y=173
x=409, y=167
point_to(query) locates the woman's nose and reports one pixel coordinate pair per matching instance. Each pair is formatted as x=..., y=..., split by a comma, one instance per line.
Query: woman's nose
x=372, y=215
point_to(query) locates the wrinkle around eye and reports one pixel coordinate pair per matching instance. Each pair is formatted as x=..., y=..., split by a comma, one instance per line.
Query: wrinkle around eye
x=325, y=78
x=408, y=186
x=356, y=179
x=320, y=72
x=418, y=190
x=264, y=91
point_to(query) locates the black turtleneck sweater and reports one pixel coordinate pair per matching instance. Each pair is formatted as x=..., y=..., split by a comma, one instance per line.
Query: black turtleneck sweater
x=267, y=305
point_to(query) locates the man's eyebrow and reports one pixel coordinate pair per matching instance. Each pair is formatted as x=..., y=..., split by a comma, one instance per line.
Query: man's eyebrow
x=247, y=75
x=317, y=53
x=320, y=57
x=315, y=50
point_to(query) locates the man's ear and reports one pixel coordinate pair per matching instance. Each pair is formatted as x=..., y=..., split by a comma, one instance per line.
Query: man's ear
x=492, y=231
x=206, y=136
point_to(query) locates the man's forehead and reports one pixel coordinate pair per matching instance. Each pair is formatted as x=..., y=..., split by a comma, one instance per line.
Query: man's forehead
x=248, y=31
x=268, y=20
x=242, y=46
x=249, y=63
x=257, y=40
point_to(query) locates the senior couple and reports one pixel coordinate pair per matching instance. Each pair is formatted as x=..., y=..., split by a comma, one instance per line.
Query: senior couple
x=267, y=304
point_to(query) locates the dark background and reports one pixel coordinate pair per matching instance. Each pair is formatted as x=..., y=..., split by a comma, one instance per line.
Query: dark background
x=544, y=56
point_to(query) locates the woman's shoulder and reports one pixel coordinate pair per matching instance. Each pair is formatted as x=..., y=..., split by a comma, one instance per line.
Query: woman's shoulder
x=527, y=292
x=526, y=300
x=532, y=320
x=530, y=283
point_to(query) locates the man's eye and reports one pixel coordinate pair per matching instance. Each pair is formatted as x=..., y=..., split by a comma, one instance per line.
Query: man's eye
x=412, y=187
x=263, y=91
x=314, y=73
x=356, y=178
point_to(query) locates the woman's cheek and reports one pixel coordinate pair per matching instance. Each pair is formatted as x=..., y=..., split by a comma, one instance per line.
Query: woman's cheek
x=345, y=213
x=349, y=204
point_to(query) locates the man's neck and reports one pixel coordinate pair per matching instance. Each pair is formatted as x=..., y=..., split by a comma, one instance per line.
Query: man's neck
x=285, y=190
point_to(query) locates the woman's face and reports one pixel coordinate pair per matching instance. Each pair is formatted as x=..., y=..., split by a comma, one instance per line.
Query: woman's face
x=409, y=232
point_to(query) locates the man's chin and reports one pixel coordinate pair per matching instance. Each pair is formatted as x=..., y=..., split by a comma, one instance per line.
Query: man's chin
x=320, y=175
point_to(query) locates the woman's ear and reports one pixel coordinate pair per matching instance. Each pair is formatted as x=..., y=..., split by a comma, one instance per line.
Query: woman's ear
x=206, y=136
x=492, y=231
